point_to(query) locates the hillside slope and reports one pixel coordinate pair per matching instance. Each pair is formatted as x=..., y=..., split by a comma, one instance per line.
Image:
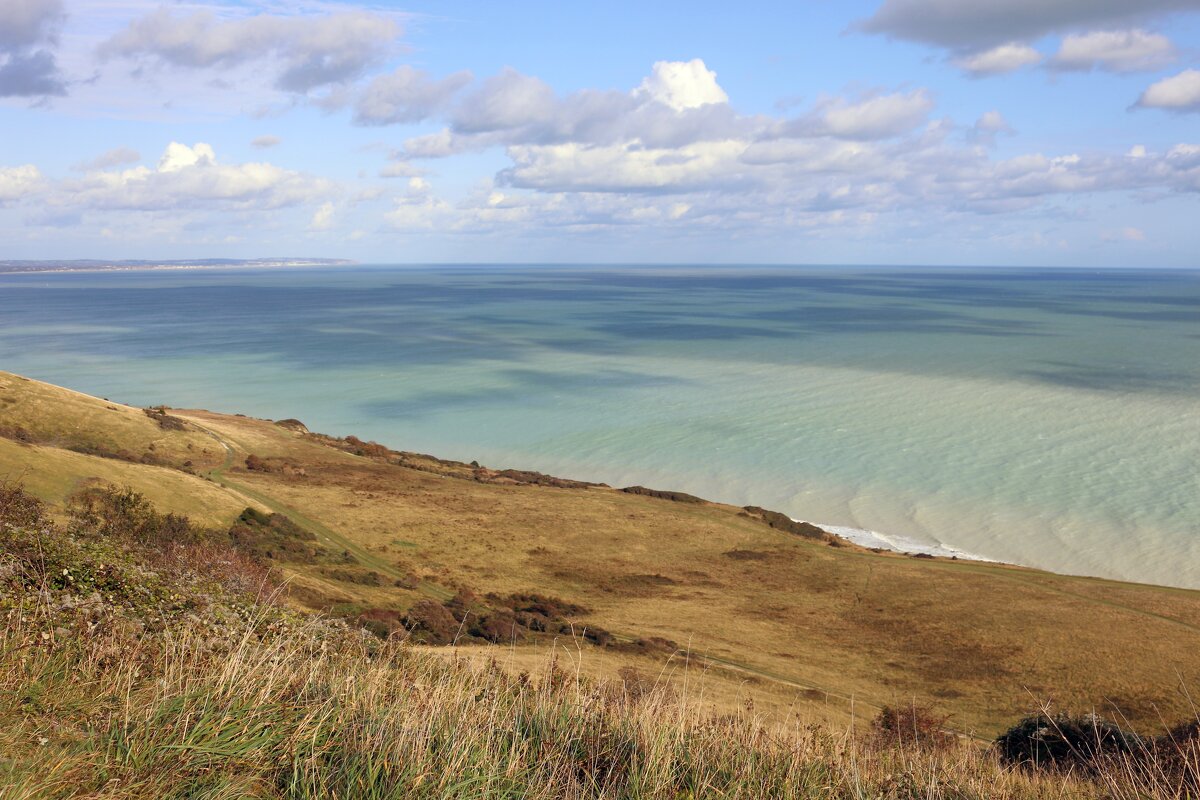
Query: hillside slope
x=813, y=627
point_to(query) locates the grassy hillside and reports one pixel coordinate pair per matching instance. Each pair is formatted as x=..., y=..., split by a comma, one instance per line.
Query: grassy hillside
x=805, y=628
x=144, y=658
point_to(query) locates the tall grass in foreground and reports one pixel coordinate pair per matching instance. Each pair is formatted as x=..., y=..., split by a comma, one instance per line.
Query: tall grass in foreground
x=133, y=666
x=303, y=716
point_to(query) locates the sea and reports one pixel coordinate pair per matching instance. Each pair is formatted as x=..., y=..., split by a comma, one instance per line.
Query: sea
x=1049, y=418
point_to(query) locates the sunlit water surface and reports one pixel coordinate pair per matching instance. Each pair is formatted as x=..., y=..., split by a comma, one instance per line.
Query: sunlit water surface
x=1049, y=418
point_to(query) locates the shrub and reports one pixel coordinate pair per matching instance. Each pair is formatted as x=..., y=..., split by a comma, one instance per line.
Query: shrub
x=911, y=726
x=675, y=497
x=258, y=464
x=16, y=433
x=125, y=514
x=382, y=622
x=429, y=622
x=498, y=626
x=1178, y=753
x=18, y=508
x=359, y=577
x=165, y=421
x=785, y=523
x=1065, y=742
x=274, y=537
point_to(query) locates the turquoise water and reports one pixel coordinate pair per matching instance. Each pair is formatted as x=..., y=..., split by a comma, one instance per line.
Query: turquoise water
x=1049, y=418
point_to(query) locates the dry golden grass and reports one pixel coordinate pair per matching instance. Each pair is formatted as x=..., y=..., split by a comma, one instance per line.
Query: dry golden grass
x=54, y=475
x=984, y=642
x=830, y=630
x=66, y=419
x=297, y=714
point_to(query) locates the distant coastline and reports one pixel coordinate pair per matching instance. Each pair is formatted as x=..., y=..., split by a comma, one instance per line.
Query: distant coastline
x=10, y=267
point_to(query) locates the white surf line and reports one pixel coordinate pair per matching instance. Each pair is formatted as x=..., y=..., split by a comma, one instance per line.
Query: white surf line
x=898, y=544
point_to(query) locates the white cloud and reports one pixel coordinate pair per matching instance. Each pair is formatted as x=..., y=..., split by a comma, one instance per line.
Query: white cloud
x=992, y=122
x=401, y=169
x=27, y=68
x=311, y=51
x=406, y=95
x=322, y=218
x=682, y=85
x=1117, y=51
x=989, y=126
x=1178, y=93
x=970, y=25
x=263, y=142
x=506, y=101
x=179, y=156
x=435, y=145
x=24, y=23
x=579, y=167
x=512, y=108
x=998, y=60
x=878, y=117
x=18, y=183
x=191, y=177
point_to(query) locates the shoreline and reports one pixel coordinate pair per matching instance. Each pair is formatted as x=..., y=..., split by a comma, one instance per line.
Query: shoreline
x=34, y=268
x=875, y=540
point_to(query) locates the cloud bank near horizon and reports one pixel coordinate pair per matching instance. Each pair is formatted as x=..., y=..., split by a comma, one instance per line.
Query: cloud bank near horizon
x=669, y=154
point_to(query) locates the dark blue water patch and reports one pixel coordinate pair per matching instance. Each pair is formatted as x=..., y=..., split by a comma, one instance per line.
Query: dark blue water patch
x=528, y=387
x=1109, y=378
x=686, y=331
x=375, y=318
x=873, y=319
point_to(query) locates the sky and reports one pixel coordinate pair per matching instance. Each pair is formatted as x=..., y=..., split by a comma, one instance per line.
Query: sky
x=933, y=132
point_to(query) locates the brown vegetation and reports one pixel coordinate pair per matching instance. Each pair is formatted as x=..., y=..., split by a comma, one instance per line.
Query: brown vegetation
x=782, y=522
x=675, y=497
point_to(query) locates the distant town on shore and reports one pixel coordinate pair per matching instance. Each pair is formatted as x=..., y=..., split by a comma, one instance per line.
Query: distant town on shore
x=92, y=265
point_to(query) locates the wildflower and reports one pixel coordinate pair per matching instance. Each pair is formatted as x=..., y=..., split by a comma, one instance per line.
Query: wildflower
x=43, y=741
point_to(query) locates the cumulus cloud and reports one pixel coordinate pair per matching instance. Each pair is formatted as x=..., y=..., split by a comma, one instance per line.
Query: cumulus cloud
x=990, y=125
x=1178, y=93
x=998, y=60
x=401, y=169
x=191, y=177
x=18, y=183
x=406, y=95
x=992, y=122
x=815, y=183
x=28, y=22
x=504, y=102
x=27, y=67
x=578, y=167
x=974, y=26
x=677, y=105
x=310, y=52
x=682, y=85
x=877, y=117
x=593, y=157
x=265, y=141
x=1117, y=51
x=322, y=218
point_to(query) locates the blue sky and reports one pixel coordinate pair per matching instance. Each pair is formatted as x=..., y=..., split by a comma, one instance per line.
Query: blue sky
x=1028, y=132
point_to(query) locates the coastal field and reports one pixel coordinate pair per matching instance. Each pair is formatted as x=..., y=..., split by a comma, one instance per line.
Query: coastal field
x=808, y=626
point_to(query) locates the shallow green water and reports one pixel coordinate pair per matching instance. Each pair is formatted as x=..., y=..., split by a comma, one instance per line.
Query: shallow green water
x=1046, y=418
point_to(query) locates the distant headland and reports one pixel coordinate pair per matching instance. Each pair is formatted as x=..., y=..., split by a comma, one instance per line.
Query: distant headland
x=95, y=265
